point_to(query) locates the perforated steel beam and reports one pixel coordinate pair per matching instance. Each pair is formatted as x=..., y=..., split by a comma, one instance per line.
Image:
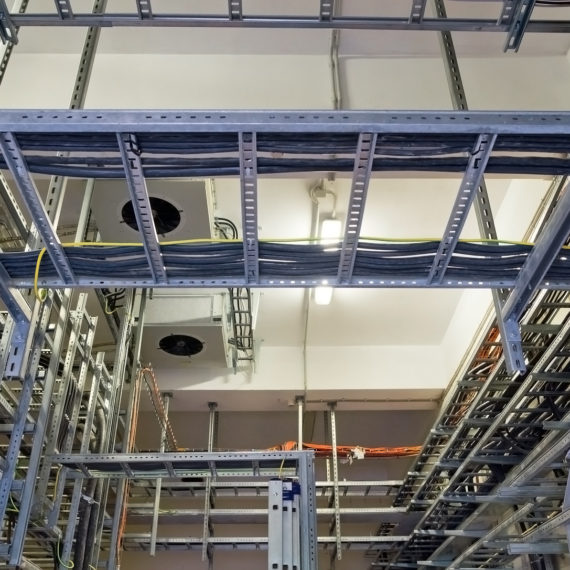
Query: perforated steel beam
x=467, y=191
x=248, y=178
x=356, y=203
x=417, y=11
x=546, y=250
x=519, y=21
x=141, y=204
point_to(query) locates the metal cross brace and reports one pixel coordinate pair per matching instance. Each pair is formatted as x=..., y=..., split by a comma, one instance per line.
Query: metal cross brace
x=467, y=191
x=248, y=178
x=360, y=180
x=8, y=30
x=544, y=253
x=235, y=9
x=134, y=175
x=144, y=9
x=519, y=20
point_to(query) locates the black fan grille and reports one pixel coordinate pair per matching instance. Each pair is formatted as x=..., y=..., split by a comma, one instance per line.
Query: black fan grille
x=166, y=215
x=181, y=345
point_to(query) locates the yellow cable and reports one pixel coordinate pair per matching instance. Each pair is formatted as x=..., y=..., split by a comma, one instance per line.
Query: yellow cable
x=281, y=468
x=69, y=564
x=40, y=295
x=14, y=508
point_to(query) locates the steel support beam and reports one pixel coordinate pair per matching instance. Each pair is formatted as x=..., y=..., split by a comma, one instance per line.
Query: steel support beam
x=134, y=175
x=303, y=22
x=8, y=29
x=248, y=178
x=235, y=10
x=467, y=191
x=417, y=11
x=144, y=9
x=326, y=10
x=546, y=250
x=55, y=122
x=359, y=189
x=519, y=22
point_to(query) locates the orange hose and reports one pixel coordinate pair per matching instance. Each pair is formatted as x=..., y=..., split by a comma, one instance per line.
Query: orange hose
x=347, y=450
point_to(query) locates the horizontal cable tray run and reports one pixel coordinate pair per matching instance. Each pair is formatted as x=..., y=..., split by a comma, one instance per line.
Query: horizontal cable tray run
x=175, y=465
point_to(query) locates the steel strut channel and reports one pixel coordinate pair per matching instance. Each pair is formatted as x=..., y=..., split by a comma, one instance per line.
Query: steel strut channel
x=519, y=21
x=134, y=174
x=356, y=203
x=336, y=498
x=55, y=122
x=235, y=9
x=248, y=178
x=545, y=251
x=144, y=9
x=471, y=180
x=509, y=334
x=8, y=30
x=64, y=9
x=326, y=10
x=158, y=483
x=417, y=11
x=18, y=168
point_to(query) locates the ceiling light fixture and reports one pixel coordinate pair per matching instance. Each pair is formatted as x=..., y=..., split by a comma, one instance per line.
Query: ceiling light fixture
x=330, y=234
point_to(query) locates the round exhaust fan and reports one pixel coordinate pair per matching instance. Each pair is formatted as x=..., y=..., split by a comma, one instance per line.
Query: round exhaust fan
x=166, y=215
x=181, y=345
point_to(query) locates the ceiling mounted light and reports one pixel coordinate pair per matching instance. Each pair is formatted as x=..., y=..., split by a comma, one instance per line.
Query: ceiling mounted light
x=330, y=233
x=323, y=294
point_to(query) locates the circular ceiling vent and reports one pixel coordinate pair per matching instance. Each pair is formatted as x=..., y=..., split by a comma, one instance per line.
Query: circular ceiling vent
x=181, y=345
x=166, y=215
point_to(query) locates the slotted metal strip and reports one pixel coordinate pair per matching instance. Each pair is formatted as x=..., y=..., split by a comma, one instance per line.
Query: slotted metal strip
x=144, y=9
x=471, y=180
x=18, y=168
x=64, y=9
x=520, y=18
x=248, y=177
x=326, y=10
x=141, y=204
x=417, y=11
x=235, y=9
x=360, y=180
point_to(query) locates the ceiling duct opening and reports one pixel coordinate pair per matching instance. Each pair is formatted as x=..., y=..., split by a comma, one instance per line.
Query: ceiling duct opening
x=181, y=345
x=165, y=214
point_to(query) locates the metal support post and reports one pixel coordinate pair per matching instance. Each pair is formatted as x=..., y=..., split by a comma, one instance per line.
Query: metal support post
x=287, y=525
x=78, y=483
x=307, y=511
x=158, y=483
x=248, y=178
x=39, y=322
x=119, y=371
x=300, y=408
x=207, y=528
x=336, y=522
x=359, y=189
x=134, y=175
x=275, y=525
